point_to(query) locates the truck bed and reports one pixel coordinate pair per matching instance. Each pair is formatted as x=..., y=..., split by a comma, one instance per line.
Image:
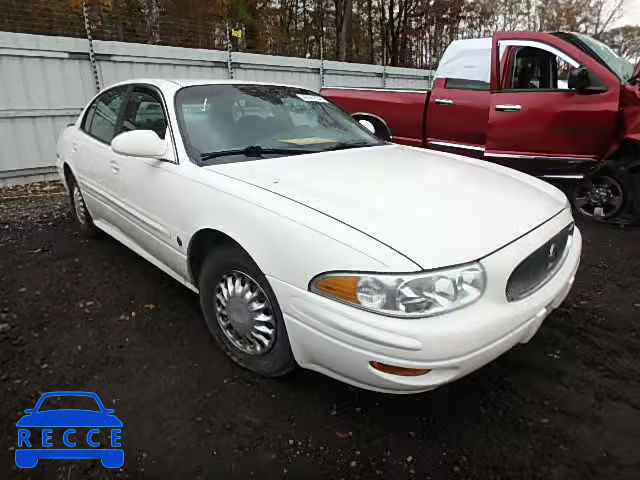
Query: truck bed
x=403, y=111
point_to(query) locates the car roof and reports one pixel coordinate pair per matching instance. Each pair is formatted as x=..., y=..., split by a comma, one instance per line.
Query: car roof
x=164, y=82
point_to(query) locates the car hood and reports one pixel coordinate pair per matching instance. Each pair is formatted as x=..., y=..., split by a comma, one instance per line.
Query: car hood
x=69, y=418
x=435, y=208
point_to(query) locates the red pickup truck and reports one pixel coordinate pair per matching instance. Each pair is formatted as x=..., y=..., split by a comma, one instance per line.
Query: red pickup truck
x=561, y=106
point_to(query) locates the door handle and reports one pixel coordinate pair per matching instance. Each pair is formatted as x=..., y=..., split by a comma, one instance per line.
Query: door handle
x=508, y=108
x=115, y=168
x=444, y=101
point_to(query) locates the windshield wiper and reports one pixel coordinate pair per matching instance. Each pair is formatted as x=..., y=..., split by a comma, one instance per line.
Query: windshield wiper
x=346, y=145
x=254, y=151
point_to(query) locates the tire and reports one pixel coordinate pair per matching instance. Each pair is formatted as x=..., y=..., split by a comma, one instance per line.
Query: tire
x=227, y=279
x=601, y=196
x=381, y=130
x=79, y=210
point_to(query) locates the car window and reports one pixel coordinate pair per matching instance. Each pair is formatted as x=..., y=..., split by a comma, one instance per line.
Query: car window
x=537, y=69
x=144, y=112
x=215, y=118
x=63, y=402
x=102, y=117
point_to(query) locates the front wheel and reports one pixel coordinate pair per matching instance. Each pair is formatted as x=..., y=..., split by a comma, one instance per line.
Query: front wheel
x=242, y=313
x=601, y=197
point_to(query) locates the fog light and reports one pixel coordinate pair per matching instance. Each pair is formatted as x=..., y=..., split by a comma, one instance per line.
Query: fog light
x=402, y=371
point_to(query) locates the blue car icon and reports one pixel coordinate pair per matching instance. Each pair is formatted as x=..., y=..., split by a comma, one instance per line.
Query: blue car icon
x=32, y=446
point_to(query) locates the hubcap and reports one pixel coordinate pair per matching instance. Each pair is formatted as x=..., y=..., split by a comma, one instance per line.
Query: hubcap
x=600, y=197
x=79, y=206
x=244, y=313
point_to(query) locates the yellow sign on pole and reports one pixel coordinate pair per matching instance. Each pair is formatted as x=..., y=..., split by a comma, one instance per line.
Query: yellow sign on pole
x=236, y=33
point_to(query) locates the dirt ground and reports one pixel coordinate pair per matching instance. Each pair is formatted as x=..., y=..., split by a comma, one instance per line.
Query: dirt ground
x=91, y=315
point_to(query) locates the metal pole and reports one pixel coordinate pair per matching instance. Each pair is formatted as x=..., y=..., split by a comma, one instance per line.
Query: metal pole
x=92, y=56
x=384, y=64
x=229, y=64
x=322, y=58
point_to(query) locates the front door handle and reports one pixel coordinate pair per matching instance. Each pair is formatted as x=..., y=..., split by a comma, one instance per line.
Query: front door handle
x=115, y=168
x=444, y=101
x=508, y=108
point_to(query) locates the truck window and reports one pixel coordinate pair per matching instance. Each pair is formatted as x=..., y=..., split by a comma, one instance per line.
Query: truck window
x=536, y=69
x=466, y=84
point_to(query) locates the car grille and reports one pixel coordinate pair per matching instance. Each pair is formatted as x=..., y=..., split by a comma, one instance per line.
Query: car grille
x=538, y=268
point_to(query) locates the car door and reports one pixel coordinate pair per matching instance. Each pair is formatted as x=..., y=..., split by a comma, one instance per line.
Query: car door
x=148, y=197
x=93, y=164
x=536, y=123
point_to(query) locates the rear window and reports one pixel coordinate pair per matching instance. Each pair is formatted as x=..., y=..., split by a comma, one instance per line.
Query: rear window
x=466, y=84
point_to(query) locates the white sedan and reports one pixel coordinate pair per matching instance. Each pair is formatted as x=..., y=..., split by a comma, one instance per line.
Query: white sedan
x=313, y=243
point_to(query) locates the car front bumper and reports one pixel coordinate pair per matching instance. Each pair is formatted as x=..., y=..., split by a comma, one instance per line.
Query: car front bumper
x=340, y=341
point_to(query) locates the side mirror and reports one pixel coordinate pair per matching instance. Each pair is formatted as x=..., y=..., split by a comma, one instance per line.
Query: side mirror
x=109, y=411
x=368, y=125
x=579, y=79
x=139, y=143
x=29, y=411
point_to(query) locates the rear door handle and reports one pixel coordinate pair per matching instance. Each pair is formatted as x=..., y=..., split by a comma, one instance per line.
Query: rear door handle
x=444, y=101
x=508, y=108
x=115, y=168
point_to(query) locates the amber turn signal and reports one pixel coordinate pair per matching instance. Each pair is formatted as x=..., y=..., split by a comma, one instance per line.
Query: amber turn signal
x=342, y=287
x=402, y=371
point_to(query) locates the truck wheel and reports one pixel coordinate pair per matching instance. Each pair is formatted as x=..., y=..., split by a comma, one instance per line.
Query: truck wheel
x=381, y=129
x=600, y=197
x=242, y=312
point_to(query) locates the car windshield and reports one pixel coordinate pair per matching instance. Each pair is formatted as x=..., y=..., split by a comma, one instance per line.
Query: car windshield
x=64, y=402
x=235, y=122
x=620, y=66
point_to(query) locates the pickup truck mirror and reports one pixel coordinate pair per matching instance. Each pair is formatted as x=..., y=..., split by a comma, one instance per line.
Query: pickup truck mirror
x=140, y=143
x=579, y=79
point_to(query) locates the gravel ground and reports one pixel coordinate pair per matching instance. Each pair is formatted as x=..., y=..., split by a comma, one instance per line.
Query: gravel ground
x=91, y=315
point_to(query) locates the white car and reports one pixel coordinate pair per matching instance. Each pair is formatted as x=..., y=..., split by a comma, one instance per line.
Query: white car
x=313, y=243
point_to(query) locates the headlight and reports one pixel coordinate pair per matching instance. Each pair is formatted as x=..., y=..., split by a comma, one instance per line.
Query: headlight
x=405, y=295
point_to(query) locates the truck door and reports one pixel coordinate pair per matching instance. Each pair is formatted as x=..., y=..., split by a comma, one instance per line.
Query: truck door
x=458, y=110
x=457, y=115
x=536, y=123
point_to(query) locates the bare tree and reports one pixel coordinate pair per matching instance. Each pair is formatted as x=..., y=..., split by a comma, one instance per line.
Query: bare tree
x=150, y=10
x=603, y=14
x=344, y=10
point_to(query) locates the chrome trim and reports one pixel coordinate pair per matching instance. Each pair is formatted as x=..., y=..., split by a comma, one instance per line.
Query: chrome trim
x=540, y=157
x=456, y=145
x=568, y=177
x=508, y=108
x=542, y=46
x=376, y=89
x=444, y=101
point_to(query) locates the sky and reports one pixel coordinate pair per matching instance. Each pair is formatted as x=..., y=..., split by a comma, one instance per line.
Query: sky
x=631, y=15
